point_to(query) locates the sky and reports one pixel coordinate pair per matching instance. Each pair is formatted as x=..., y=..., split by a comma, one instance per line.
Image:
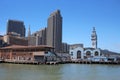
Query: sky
x=79, y=17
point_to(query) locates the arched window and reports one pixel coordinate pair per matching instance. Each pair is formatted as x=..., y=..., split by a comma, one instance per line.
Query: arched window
x=88, y=53
x=71, y=53
x=78, y=54
x=96, y=53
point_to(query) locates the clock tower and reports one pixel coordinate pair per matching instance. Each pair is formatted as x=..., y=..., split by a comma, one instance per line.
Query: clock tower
x=94, y=38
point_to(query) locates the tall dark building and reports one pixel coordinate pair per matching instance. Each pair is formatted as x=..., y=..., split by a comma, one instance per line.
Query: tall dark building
x=14, y=26
x=54, y=31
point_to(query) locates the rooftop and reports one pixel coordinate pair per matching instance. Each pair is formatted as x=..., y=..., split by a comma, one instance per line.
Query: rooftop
x=26, y=47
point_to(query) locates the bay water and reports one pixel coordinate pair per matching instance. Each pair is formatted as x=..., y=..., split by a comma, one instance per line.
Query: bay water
x=59, y=72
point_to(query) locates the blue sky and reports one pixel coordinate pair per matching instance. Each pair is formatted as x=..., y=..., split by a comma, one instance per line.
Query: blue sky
x=79, y=16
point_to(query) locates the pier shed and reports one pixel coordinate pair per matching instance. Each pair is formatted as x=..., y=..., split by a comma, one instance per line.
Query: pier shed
x=17, y=53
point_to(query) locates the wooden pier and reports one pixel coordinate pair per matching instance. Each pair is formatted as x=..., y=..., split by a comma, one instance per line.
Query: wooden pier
x=56, y=62
x=30, y=62
x=52, y=63
x=81, y=62
x=95, y=62
x=22, y=62
x=1, y=61
x=108, y=62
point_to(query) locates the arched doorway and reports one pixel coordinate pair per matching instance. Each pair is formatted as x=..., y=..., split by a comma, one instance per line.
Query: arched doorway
x=88, y=53
x=96, y=53
x=78, y=54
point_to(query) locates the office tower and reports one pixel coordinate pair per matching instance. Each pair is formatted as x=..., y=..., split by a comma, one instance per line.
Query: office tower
x=54, y=31
x=40, y=37
x=94, y=38
x=16, y=27
x=37, y=38
x=65, y=48
x=1, y=40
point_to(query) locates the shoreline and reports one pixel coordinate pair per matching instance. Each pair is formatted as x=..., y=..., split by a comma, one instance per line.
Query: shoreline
x=64, y=62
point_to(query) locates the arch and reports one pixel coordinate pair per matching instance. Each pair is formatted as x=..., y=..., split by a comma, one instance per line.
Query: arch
x=78, y=54
x=96, y=53
x=88, y=53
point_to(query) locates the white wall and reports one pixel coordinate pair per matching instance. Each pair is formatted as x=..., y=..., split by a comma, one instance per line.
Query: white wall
x=83, y=53
x=74, y=52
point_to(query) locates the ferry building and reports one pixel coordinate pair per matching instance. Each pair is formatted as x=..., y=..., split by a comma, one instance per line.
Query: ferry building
x=78, y=52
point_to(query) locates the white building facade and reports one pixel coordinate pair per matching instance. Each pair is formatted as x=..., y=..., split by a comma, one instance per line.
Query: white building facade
x=89, y=54
x=93, y=53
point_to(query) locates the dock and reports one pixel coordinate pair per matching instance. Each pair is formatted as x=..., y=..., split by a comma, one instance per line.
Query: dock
x=1, y=61
x=59, y=62
x=22, y=62
x=52, y=63
x=95, y=62
x=30, y=62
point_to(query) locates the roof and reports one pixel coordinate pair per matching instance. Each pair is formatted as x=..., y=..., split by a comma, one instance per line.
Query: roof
x=26, y=47
x=15, y=21
x=89, y=48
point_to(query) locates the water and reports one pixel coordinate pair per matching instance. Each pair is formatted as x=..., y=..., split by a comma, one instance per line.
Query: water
x=59, y=72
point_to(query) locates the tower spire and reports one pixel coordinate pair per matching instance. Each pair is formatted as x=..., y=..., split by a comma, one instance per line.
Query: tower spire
x=94, y=38
x=29, y=31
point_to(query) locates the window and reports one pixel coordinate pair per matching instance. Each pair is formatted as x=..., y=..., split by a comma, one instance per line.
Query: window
x=71, y=53
x=88, y=53
x=78, y=54
x=96, y=53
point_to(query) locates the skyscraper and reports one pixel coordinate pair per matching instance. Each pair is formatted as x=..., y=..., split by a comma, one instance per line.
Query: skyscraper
x=54, y=30
x=41, y=37
x=94, y=38
x=37, y=38
x=14, y=26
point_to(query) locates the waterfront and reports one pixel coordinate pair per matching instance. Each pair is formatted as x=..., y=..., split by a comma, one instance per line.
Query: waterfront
x=59, y=72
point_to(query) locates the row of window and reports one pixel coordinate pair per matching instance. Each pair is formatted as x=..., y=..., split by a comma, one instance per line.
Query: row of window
x=88, y=53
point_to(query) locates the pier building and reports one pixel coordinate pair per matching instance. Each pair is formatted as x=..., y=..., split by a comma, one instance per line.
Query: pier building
x=15, y=53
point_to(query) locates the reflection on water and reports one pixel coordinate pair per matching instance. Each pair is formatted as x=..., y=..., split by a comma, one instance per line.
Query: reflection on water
x=59, y=72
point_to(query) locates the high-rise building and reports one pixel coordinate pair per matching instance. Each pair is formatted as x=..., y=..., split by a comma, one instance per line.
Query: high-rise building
x=65, y=48
x=1, y=40
x=54, y=31
x=37, y=38
x=94, y=38
x=14, y=26
x=41, y=37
